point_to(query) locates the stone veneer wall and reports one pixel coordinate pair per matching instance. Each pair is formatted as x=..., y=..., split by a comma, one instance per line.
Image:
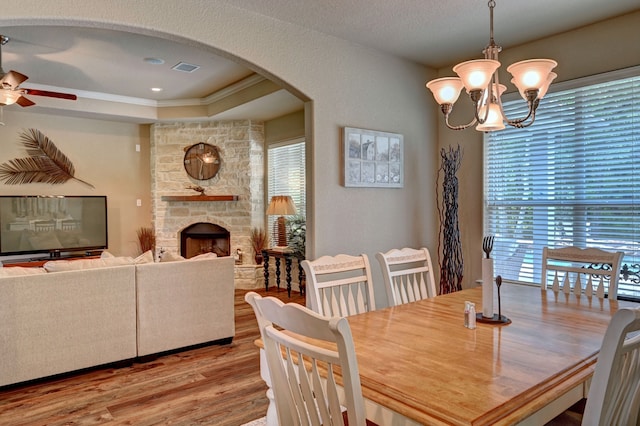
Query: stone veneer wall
x=241, y=146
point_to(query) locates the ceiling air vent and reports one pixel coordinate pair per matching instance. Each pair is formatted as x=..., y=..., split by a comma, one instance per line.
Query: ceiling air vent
x=185, y=67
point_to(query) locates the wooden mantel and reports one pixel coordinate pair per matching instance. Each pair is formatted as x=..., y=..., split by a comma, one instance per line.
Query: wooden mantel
x=199, y=198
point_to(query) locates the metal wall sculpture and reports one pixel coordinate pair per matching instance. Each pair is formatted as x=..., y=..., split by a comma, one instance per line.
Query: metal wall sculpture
x=45, y=163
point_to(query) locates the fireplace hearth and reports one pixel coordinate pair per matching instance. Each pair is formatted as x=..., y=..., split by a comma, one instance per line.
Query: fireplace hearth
x=203, y=237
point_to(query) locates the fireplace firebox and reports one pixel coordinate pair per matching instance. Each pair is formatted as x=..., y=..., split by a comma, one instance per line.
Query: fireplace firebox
x=202, y=237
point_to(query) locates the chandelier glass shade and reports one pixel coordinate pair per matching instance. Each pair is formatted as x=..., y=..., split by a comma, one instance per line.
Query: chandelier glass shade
x=480, y=79
x=8, y=97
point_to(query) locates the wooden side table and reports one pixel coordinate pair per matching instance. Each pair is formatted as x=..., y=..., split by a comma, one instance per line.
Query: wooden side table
x=288, y=257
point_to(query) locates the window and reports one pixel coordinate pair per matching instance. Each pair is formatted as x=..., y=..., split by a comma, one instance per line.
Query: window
x=286, y=175
x=569, y=179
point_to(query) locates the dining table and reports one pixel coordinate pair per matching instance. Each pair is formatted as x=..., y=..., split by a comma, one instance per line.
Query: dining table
x=420, y=365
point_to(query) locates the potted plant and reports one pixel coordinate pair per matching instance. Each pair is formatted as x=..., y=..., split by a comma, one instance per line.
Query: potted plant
x=259, y=241
x=146, y=239
x=296, y=238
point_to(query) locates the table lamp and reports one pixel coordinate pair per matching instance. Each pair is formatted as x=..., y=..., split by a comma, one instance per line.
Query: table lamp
x=281, y=205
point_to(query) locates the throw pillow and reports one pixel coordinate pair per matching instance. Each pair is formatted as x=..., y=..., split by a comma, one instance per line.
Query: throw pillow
x=167, y=256
x=209, y=255
x=146, y=257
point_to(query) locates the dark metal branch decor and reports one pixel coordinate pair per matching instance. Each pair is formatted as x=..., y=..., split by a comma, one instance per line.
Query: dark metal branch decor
x=449, y=246
x=45, y=163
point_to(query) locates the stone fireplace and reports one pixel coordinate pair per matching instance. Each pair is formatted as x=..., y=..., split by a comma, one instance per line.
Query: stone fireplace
x=176, y=208
x=201, y=238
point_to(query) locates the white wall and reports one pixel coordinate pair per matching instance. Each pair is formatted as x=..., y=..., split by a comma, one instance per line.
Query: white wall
x=348, y=86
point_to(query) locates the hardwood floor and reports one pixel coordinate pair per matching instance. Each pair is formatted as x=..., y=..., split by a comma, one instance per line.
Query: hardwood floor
x=211, y=385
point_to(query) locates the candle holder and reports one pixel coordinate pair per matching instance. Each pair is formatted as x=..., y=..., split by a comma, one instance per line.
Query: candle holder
x=496, y=319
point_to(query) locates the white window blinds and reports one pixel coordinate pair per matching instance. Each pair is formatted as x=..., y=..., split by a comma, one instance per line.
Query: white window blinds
x=569, y=179
x=286, y=175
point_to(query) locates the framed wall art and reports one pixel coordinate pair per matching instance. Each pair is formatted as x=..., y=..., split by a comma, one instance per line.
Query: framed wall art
x=372, y=158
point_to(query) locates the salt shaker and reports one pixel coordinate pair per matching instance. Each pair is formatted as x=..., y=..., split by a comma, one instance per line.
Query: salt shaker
x=472, y=315
x=467, y=306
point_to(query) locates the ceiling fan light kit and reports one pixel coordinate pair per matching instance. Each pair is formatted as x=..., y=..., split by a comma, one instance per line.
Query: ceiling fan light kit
x=11, y=93
x=479, y=77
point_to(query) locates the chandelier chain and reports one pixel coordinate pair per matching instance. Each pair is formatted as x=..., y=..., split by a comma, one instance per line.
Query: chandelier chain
x=491, y=5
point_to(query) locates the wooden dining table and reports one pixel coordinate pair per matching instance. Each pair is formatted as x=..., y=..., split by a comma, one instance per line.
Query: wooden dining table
x=419, y=364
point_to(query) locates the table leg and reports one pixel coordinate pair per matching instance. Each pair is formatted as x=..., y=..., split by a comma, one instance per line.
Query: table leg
x=301, y=277
x=278, y=272
x=265, y=256
x=287, y=262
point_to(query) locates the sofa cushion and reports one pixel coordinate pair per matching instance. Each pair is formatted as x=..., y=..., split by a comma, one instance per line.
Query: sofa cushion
x=19, y=270
x=77, y=264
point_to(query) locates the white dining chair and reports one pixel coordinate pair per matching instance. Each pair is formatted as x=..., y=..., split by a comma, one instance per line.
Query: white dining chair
x=578, y=270
x=302, y=374
x=408, y=275
x=614, y=395
x=339, y=285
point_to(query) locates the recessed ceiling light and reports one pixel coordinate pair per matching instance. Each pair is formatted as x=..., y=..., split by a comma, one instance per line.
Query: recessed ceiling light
x=156, y=89
x=154, y=61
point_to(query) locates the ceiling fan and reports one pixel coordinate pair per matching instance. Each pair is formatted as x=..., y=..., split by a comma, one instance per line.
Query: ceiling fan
x=10, y=93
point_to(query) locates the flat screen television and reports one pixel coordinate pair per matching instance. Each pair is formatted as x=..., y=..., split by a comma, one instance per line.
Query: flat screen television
x=31, y=224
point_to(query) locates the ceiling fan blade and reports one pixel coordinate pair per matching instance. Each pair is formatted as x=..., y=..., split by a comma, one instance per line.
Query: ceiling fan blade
x=24, y=102
x=12, y=80
x=50, y=94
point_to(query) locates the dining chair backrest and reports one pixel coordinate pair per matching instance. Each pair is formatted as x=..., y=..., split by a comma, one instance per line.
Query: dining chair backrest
x=408, y=275
x=302, y=371
x=577, y=270
x=339, y=285
x=614, y=395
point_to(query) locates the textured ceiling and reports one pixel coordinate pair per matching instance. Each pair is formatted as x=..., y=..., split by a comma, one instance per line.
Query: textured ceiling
x=430, y=32
x=438, y=32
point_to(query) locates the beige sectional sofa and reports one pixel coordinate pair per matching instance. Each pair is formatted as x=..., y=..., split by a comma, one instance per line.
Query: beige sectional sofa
x=184, y=303
x=57, y=322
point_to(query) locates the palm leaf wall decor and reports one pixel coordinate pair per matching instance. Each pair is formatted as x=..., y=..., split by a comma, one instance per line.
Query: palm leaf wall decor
x=45, y=164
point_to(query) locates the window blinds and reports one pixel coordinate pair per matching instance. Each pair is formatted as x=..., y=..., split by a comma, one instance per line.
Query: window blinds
x=569, y=179
x=286, y=175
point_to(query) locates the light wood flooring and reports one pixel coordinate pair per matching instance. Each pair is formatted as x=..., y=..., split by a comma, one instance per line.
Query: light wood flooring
x=211, y=385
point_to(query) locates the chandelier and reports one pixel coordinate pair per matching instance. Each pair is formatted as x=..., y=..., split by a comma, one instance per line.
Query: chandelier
x=480, y=78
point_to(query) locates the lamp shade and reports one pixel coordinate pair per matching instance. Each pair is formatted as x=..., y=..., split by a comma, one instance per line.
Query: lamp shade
x=495, y=120
x=543, y=90
x=281, y=205
x=8, y=97
x=445, y=90
x=532, y=73
x=476, y=74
